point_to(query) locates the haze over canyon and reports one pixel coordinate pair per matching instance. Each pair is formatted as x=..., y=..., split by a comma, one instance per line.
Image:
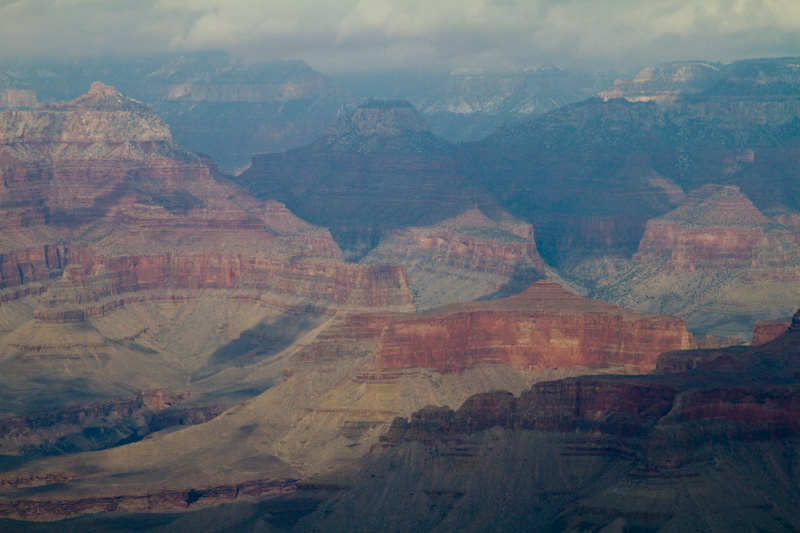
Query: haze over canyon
x=247, y=295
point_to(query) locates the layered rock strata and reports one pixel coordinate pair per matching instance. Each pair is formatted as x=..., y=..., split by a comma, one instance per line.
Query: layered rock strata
x=464, y=258
x=663, y=452
x=543, y=327
x=116, y=243
x=718, y=227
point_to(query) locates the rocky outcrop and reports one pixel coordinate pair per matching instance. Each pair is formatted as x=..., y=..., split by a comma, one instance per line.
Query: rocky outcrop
x=543, y=327
x=101, y=424
x=161, y=501
x=718, y=227
x=763, y=332
x=616, y=407
x=464, y=258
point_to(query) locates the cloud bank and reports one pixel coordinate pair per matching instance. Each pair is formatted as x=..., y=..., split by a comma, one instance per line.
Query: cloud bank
x=342, y=35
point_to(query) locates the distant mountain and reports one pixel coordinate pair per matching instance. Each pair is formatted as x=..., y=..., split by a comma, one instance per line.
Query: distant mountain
x=377, y=169
x=752, y=78
x=467, y=106
x=214, y=104
x=232, y=110
x=589, y=175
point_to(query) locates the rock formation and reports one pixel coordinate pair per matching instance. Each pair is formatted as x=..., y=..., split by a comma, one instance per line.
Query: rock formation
x=543, y=327
x=715, y=260
x=464, y=258
x=649, y=452
x=718, y=227
x=120, y=249
x=377, y=169
x=763, y=332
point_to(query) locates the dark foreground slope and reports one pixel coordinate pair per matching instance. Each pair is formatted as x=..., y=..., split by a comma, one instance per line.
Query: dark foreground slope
x=709, y=442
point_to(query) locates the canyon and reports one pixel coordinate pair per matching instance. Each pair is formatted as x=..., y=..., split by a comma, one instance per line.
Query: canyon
x=115, y=240
x=340, y=392
x=590, y=452
x=380, y=324
x=377, y=169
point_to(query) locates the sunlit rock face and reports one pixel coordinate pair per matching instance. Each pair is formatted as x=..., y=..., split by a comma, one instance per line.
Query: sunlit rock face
x=134, y=264
x=102, y=178
x=464, y=258
x=543, y=327
x=717, y=227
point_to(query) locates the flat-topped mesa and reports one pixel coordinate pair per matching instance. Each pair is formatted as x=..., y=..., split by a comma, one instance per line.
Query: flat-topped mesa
x=665, y=83
x=716, y=227
x=543, y=327
x=380, y=125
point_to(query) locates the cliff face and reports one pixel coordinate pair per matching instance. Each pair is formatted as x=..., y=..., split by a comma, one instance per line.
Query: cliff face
x=715, y=260
x=142, y=213
x=464, y=258
x=718, y=227
x=134, y=263
x=763, y=332
x=543, y=327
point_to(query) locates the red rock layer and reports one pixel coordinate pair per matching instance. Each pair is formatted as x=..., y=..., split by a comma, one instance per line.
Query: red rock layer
x=763, y=332
x=543, y=327
x=91, y=278
x=470, y=241
x=719, y=227
x=25, y=266
x=133, y=211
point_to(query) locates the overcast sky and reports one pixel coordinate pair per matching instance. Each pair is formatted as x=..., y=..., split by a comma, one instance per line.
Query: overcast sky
x=342, y=35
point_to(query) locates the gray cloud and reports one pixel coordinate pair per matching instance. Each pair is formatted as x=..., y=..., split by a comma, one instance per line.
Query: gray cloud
x=359, y=34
